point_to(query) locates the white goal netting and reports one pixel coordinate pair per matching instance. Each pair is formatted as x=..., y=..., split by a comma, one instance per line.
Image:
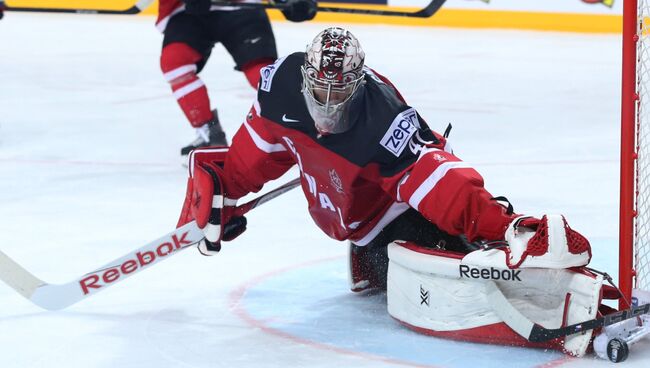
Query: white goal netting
x=642, y=203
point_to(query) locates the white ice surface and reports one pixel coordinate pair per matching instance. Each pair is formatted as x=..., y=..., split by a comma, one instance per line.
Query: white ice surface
x=89, y=170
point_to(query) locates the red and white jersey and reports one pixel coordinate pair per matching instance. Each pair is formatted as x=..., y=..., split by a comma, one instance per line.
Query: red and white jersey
x=169, y=8
x=358, y=181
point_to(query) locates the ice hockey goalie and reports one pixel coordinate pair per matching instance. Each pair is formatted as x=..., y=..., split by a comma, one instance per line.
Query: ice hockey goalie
x=373, y=173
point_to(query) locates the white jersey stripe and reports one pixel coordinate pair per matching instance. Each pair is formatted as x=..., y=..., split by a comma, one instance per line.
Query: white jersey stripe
x=393, y=211
x=257, y=107
x=402, y=180
x=261, y=143
x=186, y=90
x=202, y=150
x=181, y=70
x=433, y=179
x=448, y=147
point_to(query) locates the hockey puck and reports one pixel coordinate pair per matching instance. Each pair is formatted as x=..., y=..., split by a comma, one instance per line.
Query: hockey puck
x=617, y=350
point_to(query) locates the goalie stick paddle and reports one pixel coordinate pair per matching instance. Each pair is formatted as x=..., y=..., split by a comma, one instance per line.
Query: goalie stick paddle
x=135, y=9
x=425, y=12
x=534, y=332
x=59, y=296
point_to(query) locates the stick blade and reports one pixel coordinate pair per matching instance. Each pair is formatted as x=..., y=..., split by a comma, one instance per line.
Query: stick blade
x=17, y=277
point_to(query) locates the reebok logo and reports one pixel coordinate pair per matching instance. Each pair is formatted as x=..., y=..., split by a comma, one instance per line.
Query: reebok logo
x=489, y=274
x=111, y=274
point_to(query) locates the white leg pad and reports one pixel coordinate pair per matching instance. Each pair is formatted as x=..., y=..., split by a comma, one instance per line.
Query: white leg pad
x=433, y=291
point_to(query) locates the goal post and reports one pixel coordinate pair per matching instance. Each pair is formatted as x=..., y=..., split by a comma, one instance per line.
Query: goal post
x=634, y=220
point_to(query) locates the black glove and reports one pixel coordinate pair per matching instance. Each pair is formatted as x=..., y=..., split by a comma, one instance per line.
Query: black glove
x=197, y=7
x=298, y=10
x=234, y=228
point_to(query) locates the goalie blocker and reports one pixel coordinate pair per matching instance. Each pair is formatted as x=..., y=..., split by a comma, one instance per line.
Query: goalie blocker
x=445, y=294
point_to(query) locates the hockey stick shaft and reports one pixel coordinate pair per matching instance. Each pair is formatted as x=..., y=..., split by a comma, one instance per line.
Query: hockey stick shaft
x=425, y=12
x=241, y=210
x=534, y=332
x=135, y=9
x=54, y=297
x=540, y=334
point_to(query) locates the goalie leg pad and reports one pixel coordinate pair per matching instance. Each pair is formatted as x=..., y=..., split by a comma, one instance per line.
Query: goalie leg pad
x=435, y=293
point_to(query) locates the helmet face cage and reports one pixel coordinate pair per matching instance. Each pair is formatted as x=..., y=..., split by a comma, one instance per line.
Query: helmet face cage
x=332, y=73
x=328, y=93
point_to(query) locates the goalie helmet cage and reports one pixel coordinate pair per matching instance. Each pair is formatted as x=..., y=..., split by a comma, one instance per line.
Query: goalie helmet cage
x=634, y=215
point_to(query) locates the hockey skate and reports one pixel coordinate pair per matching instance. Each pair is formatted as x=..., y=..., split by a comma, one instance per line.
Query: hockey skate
x=367, y=268
x=210, y=134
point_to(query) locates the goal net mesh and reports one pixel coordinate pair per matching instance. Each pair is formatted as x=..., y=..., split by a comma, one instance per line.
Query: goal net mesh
x=642, y=203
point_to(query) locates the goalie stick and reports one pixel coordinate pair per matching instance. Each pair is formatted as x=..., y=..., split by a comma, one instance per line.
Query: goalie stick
x=59, y=296
x=534, y=332
x=135, y=9
x=425, y=12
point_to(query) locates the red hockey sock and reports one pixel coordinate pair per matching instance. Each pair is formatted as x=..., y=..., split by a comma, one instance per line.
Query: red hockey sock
x=178, y=63
x=252, y=70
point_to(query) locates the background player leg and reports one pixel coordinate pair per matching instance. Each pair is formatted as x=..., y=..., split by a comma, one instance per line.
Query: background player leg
x=252, y=70
x=179, y=65
x=186, y=49
x=248, y=37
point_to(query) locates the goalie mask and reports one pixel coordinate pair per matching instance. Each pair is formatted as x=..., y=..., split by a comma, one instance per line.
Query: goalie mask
x=332, y=74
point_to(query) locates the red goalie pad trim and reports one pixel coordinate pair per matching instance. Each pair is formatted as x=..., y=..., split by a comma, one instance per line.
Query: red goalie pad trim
x=538, y=244
x=496, y=334
x=576, y=242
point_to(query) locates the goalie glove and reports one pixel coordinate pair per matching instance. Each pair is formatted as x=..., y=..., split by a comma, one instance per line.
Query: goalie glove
x=206, y=201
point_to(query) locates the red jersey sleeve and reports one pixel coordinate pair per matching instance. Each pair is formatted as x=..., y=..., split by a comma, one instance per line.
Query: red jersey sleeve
x=450, y=193
x=255, y=157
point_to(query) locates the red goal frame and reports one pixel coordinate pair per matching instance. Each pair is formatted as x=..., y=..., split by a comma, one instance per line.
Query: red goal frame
x=628, y=193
